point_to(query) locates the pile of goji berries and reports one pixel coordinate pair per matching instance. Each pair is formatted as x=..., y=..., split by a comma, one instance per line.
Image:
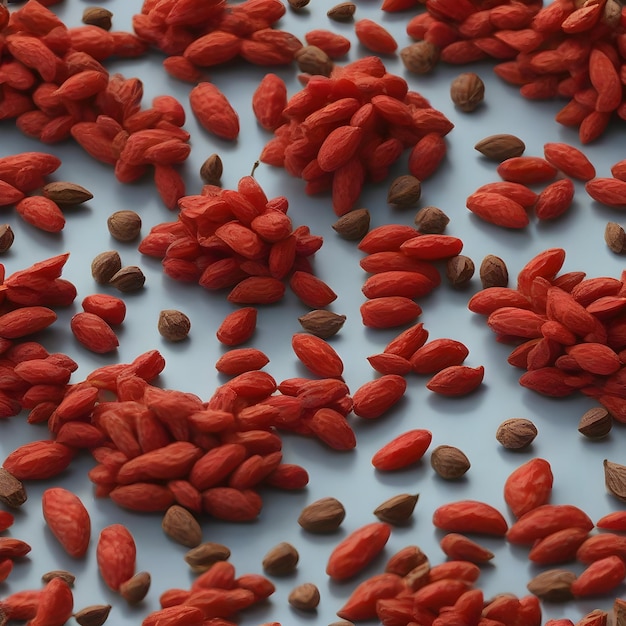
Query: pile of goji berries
x=242, y=241
x=570, y=330
x=349, y=128
x=55, y=87
x=565, y=49
x=196, y=37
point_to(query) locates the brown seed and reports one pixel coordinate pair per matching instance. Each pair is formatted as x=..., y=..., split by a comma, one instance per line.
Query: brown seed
x=431, y=220
x=105, y=265
x=615, y=479
x=98, y=16
x=493, y=272
x=127, y=279
x=124, y=225
x=181, y=526
x=173, y=325
x=552, y=585
x=212, y=169
x=404, y=191
x=596, y=423
x=459, y=270
x=449, y=462
x=7, y=236
x=65, y=193
x=615, y=237
x=516, y=433
x=68, y=577
x=313, y=60
x=203, y=556
x=420, y=57
x=406, y=560
x=353, y=225
x=12, y=492
x=281, y=560
x=341, y=622
x=467, y=91
x=342, y=12
x=418, y=576
x=305, y=597
x=94, y=615
x=500, y=147
x=135, y=589
x=322, y=323
x=322, y=516
x=398, y=509
x=298, y=4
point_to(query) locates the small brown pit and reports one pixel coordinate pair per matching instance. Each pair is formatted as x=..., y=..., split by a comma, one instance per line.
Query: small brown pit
x=431, y=220
x=459, y=270
x=449, y=462
x=173, y=325
x=596, y=423
x=7, y=236
x=305, y=597
x=404, y=191
x=420, y=57
x=493, y=272
x=313, y=60
x=467, y=91
x=98, y=16
x=212, y=169
x=281, y=560
x=342, y=12
x=124, y=225
x=516, y=433
x=128, y=279
x=322, y=323
x=353, y=225
x=105, y=265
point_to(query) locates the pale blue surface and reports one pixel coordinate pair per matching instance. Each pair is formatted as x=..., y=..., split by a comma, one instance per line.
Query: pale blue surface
x=467, y=423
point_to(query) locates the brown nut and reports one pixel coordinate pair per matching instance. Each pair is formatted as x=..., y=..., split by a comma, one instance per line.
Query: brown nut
x=322, y=323
x=516, y=433
x=281, y=560
x=431, y=220
x=98, y=16
x=353, y=225
x=398, y=509
x=500, y=147
x=136, y=588
x=173, y=325
x=459, y=270
x=449, y=462
x=65, y=193
x=493, y=272
x=181, y=526
x=404, y=191
x=467, y=91
x=7, y=236
x=305, y=597
x=322, y=516
x=105, y=265
x=420, y=57
x=124, y=225
x=127, y=279
x=212, y=169
x=342, y=12
x=596, y=423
